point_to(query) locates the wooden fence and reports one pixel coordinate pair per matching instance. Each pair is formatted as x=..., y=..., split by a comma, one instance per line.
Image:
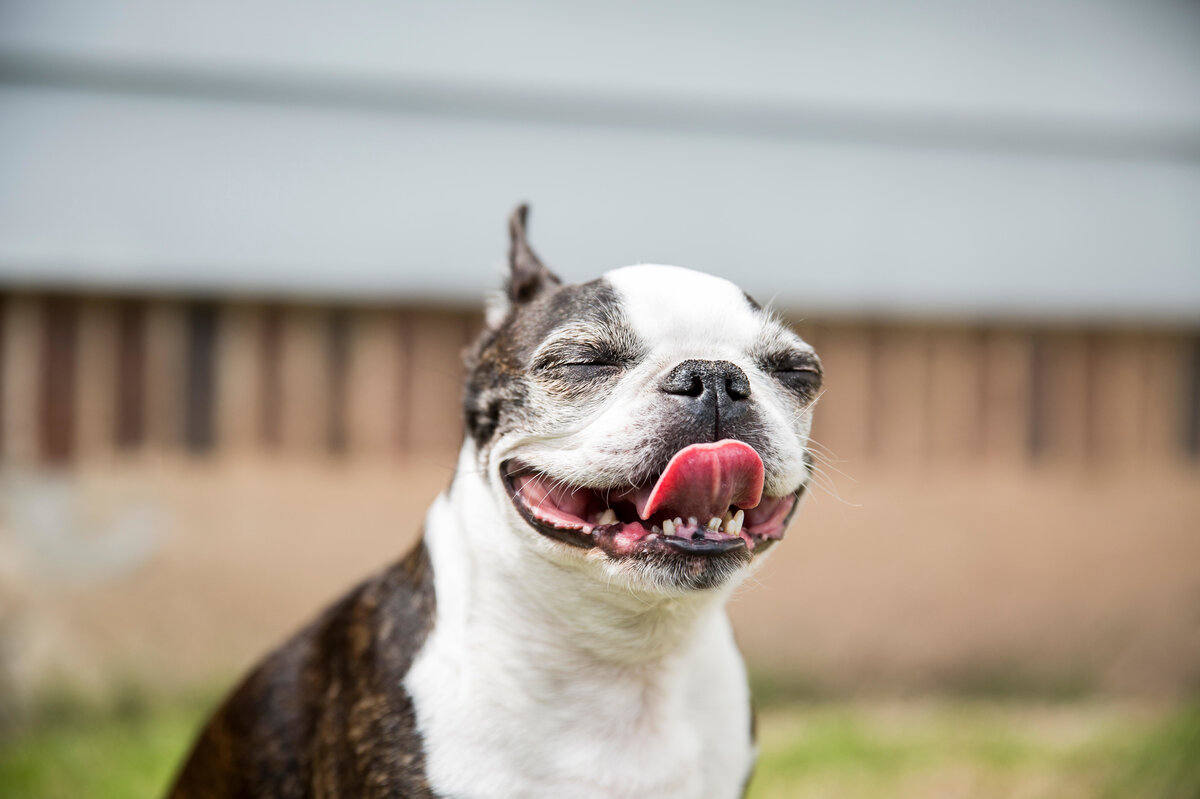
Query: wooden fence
x=83, y=377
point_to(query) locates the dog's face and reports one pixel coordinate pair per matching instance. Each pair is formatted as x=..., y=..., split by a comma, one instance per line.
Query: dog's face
x=650, y=426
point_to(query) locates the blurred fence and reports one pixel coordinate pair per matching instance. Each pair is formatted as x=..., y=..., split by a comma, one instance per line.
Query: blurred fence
x=86, y=377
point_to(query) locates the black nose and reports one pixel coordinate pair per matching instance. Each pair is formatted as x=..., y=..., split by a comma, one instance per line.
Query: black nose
x=715, y=392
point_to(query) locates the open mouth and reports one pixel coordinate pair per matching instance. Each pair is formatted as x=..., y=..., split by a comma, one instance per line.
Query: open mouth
x=707, y=501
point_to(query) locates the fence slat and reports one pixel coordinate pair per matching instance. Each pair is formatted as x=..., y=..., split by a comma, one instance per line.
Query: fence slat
x=435, y=381
x=955, y=407
x=97, y=388
x=1118, y=398
x=1007, y=395
x=373, y=383
x=165, y=369
x=901, y=394
x=200, y=394
x=842, y=427
x=304, y=372
x=131, y=375
x=1164, y=376
x=58, y=400
x=338, y=346
x=22, y=358
x=1062, y=404
x=238, y=375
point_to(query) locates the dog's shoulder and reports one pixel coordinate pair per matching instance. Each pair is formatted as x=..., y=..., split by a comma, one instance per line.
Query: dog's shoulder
x=327, y=713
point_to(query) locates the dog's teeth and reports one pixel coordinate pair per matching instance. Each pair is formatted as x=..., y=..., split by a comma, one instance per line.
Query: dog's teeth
x=734, y=527
x=714, y=524
x=678, y=522
x=608, y=517
x=668, y=527
x=693, y=522
x=656, y=529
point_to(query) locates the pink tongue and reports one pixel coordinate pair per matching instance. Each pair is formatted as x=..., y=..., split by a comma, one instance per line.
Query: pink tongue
x=703, y=480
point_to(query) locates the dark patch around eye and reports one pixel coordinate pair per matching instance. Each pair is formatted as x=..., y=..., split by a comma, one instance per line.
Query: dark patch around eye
x=502, y=368
x=572, y=354
x=589, y=371
x=802, y=381
x=575, y=364
x=583, y=358
x=799, y=371
x=787, y=360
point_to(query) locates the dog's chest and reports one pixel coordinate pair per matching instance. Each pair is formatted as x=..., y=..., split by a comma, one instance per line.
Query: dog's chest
x=491, y=730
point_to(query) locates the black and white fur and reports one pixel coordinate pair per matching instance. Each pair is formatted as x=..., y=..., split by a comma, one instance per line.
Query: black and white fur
x=575, y=674
x=534, y=666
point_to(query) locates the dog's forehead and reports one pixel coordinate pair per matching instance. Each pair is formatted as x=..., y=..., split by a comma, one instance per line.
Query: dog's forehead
x=669, y=303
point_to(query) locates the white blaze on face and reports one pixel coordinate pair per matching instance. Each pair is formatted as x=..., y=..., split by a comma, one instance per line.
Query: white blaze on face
x=681, y=314
x=684, y=313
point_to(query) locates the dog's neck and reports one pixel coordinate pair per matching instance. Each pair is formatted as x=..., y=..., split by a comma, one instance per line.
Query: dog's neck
x=538, y=680
x=508, y=589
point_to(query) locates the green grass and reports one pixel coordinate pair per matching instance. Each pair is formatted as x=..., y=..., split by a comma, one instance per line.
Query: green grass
x=1166, y=765
x=73, y=748
x=981, y=750
x=872, y=750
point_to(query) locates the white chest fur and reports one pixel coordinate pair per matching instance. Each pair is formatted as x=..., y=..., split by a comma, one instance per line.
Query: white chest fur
x=533, y=686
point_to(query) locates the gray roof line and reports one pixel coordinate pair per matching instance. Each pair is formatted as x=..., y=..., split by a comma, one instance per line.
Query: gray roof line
x=720, y=115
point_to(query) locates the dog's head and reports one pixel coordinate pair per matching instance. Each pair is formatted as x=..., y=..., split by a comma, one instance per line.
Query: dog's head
x=650, y=426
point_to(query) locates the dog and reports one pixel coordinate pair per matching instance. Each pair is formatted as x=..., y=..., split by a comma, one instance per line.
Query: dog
x=634, y=447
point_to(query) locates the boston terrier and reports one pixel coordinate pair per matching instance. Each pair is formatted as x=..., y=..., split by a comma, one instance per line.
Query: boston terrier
x=634, y=446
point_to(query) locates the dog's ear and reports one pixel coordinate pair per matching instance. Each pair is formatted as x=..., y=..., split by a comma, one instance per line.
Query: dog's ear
x=527, y=275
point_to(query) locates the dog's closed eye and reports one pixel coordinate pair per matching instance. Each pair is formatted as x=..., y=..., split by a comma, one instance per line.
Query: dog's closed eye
x=795, y=370
x=806, y=382
x=591, y=370
x=578, y=362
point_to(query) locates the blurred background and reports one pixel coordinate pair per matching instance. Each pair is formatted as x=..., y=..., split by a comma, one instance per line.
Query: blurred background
x=242, y=247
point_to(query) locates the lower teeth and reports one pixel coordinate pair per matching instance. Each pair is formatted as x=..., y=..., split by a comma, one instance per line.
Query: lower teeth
x=730, y=525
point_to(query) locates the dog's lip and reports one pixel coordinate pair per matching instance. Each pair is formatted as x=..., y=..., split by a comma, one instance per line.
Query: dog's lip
x=763, y=524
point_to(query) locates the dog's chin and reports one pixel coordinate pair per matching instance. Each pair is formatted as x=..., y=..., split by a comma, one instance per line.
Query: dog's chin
x=668, y=548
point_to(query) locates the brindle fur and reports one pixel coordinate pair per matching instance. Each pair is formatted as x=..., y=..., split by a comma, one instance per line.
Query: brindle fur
x=326, y=715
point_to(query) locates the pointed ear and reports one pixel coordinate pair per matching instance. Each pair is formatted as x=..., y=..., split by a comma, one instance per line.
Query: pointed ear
x=527, y=276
